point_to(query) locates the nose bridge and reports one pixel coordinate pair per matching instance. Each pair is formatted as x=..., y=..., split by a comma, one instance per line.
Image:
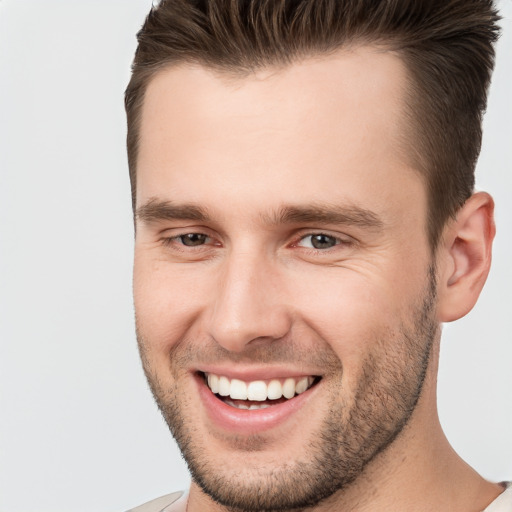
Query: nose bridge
x=248, y=304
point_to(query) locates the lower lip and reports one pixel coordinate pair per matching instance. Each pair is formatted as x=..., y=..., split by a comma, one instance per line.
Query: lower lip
x=243, y=421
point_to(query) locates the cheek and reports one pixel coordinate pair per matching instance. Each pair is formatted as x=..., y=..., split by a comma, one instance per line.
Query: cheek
x=167, y=301
x=356, y=311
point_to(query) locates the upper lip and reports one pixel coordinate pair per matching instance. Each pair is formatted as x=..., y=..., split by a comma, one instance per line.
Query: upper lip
x=255, y=373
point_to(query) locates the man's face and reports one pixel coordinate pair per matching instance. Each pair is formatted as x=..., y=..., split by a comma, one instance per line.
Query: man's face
x=281, y=248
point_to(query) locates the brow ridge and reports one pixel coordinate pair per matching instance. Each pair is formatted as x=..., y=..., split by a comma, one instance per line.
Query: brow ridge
x=327, y=214
x=155, y=210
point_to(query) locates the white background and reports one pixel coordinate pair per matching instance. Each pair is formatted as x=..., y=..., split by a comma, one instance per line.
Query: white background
x=78, y=428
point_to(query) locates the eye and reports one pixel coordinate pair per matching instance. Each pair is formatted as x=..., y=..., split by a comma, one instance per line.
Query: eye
x=193, y=239
x=318, y=241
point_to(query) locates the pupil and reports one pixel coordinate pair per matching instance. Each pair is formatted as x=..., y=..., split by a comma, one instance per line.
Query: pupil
x=323, y=241
x=192, y=239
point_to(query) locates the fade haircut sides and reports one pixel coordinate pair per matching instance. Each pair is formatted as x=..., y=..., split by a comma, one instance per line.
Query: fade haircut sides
x=447, y=46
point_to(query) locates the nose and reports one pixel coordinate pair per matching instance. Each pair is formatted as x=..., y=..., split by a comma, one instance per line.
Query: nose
x=249, y=303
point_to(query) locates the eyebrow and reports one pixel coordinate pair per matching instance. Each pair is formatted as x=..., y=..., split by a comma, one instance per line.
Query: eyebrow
x=327, y=214
x=155, y=210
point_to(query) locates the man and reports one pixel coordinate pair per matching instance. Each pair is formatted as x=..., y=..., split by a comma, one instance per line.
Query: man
x=303, y=188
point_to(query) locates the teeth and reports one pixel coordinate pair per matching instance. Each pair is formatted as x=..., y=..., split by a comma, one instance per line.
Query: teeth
x=224, y=386
x=247, y=407
x=301, y=386
x=257, y=390
x=239, y=390
x=289, y=388
x=274, y=390
x=213, y=383
x=262, y=406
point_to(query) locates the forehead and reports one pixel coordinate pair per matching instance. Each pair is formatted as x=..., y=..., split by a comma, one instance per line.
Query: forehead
x=332, y=125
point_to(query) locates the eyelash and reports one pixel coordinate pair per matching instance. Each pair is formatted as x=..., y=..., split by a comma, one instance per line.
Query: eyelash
x=337, y=241
x=177, y=242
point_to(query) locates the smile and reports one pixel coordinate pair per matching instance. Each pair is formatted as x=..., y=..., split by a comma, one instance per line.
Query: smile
x=260, y=402
x=265, y=393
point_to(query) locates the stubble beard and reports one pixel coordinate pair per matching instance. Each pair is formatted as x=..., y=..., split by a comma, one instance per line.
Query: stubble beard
x=351, y=436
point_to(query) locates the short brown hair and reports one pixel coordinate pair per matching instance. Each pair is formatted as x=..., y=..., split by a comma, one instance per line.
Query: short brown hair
x=447, y=46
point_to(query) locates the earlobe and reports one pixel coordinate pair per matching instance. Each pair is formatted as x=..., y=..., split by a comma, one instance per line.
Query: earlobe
x=464, y=257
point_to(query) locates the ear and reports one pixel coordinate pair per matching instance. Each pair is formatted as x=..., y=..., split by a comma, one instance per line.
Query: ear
x=464, y=257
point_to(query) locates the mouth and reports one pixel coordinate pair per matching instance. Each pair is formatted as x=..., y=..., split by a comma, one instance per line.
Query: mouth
x=257, y=394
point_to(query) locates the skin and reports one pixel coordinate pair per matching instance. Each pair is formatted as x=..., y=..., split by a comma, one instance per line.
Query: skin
x=325, y=133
